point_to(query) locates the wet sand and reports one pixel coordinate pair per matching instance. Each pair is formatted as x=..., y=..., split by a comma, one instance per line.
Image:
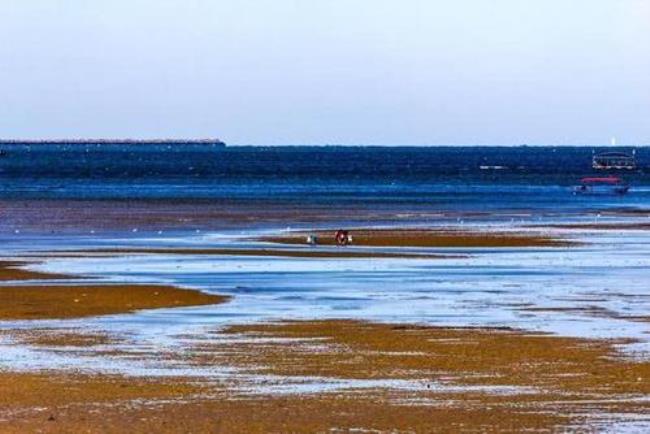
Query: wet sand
x=353, y=349
x=54, y=402
x=11, y=270
x=568, y=379
x=53, y=338
x=63, y=301
x=425, y=238
x=556, y=383
x=464, y=379
x=58, y=404
x=25, y=390
x=77, y=301
x=69, y=216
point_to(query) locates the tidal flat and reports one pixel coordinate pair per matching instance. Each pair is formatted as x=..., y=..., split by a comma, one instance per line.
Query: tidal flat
x=501, y=329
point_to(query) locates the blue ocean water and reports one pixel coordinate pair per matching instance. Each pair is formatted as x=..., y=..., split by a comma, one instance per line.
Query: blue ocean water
x=353, y=173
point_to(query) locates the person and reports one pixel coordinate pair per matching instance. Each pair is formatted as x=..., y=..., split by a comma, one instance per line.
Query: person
x=342, y=237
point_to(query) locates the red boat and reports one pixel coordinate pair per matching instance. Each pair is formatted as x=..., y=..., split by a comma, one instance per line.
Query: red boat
x=607, y=185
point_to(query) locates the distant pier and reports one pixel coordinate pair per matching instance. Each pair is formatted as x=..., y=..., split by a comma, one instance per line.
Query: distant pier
x=211, y=142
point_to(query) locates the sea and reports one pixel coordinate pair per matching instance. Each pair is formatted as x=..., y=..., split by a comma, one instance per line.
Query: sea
x=400, y=179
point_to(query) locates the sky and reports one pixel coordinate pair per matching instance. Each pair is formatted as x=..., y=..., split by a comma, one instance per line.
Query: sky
x=299, y=72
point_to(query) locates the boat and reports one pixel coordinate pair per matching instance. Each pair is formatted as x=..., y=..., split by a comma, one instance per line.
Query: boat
x=614, y=160
x=607, y=185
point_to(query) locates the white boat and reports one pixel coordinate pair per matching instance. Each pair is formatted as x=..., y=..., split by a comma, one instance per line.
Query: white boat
x=614, y=160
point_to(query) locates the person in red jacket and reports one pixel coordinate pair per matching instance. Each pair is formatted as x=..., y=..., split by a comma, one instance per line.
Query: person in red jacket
x=342, y=237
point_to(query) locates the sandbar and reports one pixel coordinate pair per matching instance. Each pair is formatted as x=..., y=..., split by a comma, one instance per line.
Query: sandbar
x=425, y=238
x=77, y=301
x=11, y=270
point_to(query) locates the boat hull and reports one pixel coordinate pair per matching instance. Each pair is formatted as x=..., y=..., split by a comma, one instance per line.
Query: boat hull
x=601, y=190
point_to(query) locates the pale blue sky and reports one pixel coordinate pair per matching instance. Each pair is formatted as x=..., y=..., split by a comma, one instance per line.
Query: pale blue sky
x=328, y=71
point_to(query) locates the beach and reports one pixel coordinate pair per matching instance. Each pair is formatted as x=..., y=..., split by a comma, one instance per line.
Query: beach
x=156, y=303
x=149, y=332
x=359, y=217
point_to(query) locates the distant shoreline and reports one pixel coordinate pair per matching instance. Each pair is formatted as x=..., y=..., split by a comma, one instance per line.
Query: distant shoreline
x=213, y=142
